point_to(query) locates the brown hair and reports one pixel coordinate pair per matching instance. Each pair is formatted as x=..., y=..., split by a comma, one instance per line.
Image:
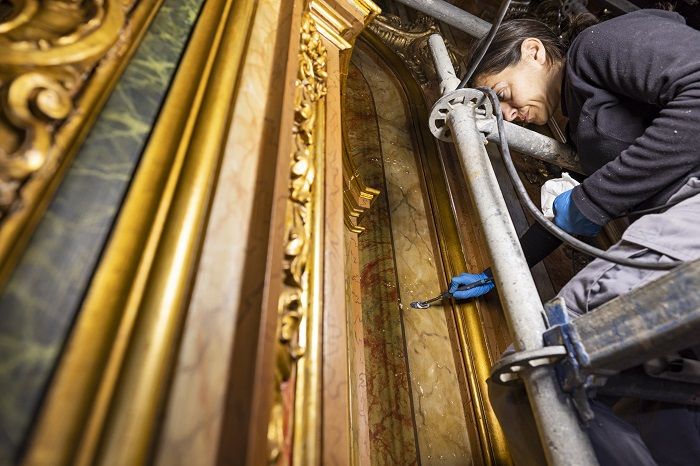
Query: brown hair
x=504, y=51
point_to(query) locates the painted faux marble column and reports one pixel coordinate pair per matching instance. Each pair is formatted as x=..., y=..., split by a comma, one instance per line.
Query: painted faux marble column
x=227, y=293
x=359, y=415
x=390, y=416
x=399, y=266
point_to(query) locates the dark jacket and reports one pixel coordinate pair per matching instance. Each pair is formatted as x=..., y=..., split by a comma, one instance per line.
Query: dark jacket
x=631, y=92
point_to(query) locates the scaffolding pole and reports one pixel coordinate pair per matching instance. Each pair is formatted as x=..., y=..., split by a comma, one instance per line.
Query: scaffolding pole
x=452, y=15
x=563, y=439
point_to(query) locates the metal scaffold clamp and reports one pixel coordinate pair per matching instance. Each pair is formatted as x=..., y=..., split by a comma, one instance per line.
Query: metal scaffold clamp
x=442, y=108
x=507, y=370
x=571, y=370
x=564, y=351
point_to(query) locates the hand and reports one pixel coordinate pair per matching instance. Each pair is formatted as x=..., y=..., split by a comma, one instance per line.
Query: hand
x=467, y=279
x=570, y=219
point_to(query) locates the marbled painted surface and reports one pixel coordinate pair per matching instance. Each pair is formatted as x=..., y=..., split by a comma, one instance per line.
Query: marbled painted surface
x=45, y=292
x=336, y=390
x=391, y=427
x=225, y=289
x=359, y=418
x=398, y=267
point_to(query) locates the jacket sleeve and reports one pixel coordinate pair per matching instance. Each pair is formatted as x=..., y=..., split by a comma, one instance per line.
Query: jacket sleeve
x=652, y=58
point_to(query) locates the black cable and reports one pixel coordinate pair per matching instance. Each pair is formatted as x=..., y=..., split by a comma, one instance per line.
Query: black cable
x=542, y=220
x=476, y=59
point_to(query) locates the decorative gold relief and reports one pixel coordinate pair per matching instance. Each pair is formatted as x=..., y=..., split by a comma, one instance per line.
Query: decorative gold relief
x=34, y=101
x=59, y=61
x=294, y=302
x=311, y=86
x=410, y=42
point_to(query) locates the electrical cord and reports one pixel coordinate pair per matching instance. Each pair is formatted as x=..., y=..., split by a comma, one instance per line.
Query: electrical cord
x=479, y=55
x=542, y=220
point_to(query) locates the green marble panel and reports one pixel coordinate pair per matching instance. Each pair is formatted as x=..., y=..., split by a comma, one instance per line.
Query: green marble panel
x=45, y=292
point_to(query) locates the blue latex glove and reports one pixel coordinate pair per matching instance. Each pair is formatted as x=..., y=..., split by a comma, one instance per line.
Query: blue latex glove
x=468, y=279
x=570, y=219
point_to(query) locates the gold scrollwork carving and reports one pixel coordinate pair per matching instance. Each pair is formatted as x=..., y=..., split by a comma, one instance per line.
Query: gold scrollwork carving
x=47, y=47
x=410, y=42
x=59, y=61
x=295, y=297
x=33, y=103
x=60, y=32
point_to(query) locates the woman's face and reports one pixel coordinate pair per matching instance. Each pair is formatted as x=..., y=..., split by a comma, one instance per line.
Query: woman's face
x=529, y=91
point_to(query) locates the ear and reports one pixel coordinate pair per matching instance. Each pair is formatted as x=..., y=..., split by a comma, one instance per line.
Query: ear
x=533, y=49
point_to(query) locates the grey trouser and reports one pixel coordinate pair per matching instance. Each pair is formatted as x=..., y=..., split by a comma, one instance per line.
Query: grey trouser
x=638, y=433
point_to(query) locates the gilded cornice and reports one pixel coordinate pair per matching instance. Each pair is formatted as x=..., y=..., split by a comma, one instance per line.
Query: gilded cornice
x=59, y=61
x=341, y=21
x=357, y=197
x=367, y=9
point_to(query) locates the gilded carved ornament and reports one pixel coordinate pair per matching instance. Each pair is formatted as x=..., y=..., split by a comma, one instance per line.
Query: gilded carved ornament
x=48, y=48
x=410, y=42
x=295, y=296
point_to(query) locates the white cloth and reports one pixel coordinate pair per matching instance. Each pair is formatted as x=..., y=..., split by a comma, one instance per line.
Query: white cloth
x=551, y=189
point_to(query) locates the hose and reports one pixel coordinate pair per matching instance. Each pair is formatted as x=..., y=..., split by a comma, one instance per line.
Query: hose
x=542, y=220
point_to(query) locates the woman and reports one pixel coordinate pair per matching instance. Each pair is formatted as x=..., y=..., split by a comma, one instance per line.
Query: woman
x=630, y=87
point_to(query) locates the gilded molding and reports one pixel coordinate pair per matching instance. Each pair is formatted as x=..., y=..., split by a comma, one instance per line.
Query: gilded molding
x=298, y=266
x=410, y=42
x=59, y=62
x=332, y=25
x=367, y=8
x=104, y=403
x=340, y=21
x=357, y=197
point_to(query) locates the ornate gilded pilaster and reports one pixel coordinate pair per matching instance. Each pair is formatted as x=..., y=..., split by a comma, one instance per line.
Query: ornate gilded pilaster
x=59, y=62
x=296, y=300
x=296, y=430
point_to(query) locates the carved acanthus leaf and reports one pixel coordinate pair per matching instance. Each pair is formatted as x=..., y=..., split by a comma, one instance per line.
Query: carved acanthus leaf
x=410, y=42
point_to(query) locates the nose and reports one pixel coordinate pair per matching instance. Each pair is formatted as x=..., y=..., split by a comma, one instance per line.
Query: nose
x=509, y=113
